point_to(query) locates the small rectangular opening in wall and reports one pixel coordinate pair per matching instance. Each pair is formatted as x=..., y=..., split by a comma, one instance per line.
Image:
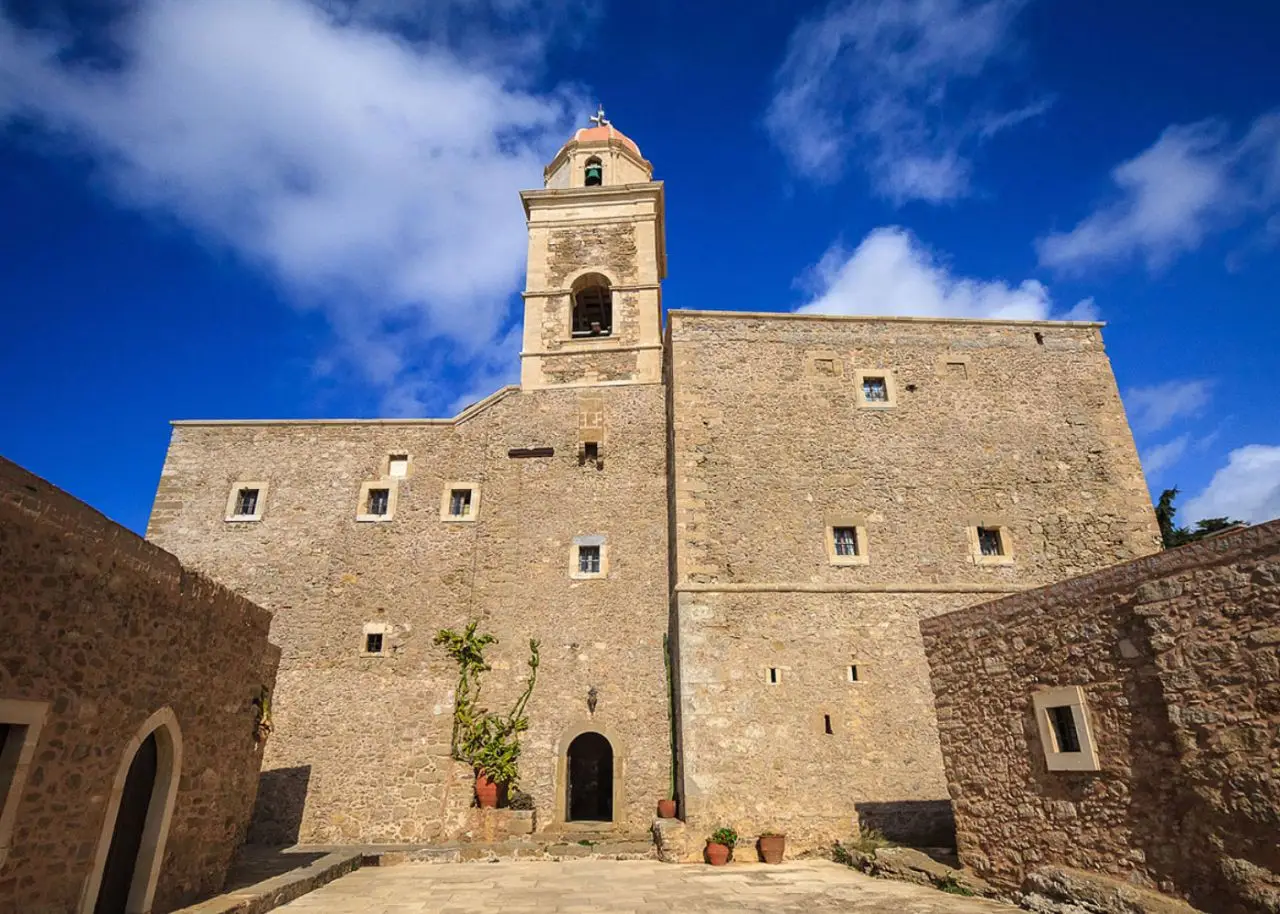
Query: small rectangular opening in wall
x=774, y=675
x=246, y=503
x=588, y=559
x=826, y=723
x=1065, y=735
x=1039, y=338
x=12, y=736
x=459, y=502
x=590, y=452
x=373, y=643
x=846, y=541
x=853, y=672
x=875, y=389
x=958, y=370
x=379, y=502
x=398, y=466
x=531, y=452
x=990, y=541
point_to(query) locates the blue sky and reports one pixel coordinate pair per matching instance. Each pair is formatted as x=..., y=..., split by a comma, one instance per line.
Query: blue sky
x=297, y=208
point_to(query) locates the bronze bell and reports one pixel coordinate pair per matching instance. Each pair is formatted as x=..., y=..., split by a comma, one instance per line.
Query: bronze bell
x=595, y=175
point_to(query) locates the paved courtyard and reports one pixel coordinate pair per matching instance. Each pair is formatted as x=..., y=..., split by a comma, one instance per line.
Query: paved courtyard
x=622, y=886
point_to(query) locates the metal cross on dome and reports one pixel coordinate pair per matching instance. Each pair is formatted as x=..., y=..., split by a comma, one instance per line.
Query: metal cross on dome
x=598, y=118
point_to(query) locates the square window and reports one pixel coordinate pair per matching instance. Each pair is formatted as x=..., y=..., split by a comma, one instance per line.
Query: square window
x=846, y=541
x=1062, y=721
x=373, y=643
x=588, y=559
x=379, y=502
x=246, y=501
x=459, y=502
x=989, y=541
x=398, y=466
x=875, y=390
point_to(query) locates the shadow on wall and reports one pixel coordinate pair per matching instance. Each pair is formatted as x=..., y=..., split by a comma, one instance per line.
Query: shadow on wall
x=277, y=813
x=916, y=823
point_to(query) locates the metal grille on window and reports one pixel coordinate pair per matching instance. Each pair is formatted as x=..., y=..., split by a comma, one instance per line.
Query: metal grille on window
x=378, y=501
x=989, y=541
x=589, y=559
x=846, y=539
x=1064, y=728
x=247, y=502
x=460, y=502
x=875, y=390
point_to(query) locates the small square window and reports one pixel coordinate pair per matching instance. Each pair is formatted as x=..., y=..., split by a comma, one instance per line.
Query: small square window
x=459, y=502
x=379, y=502
x=588, y=559
x=1063, y=724
x=989, y=541
x=846, y=541
x=875, y=390
x=990, y=544
x=398, y=466
x=246, y=501
x=373, y=643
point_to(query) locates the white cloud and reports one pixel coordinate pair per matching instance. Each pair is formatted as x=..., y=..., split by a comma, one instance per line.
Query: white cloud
x=1161, y=457
x=1247, y=488
x=1157, y=406
x=375, y=177
x=1192, y=181
x=892, y=273
x=881, y=79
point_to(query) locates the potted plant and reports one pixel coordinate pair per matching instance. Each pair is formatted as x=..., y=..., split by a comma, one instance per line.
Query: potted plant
x=667, y=809
x=720, y=846
x=489, y=742
x=772, y=846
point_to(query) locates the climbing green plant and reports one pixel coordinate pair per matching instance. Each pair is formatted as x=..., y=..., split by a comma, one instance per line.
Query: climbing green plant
x=487, y=741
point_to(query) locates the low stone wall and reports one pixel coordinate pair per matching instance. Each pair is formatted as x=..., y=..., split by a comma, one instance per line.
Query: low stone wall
x=107, y=642
x=1178, y=658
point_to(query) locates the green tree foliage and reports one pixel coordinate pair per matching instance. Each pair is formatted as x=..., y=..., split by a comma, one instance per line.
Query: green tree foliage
x=1173, y=535
x=489, y=742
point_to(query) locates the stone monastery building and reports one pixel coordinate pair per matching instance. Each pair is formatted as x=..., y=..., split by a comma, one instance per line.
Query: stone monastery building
x=724, y=532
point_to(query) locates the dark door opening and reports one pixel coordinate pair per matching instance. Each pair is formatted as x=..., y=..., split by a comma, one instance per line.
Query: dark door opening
x=590, y=767
x=126, y=837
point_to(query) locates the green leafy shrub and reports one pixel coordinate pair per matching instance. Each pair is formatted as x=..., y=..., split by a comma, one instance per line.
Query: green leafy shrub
x=726, y=836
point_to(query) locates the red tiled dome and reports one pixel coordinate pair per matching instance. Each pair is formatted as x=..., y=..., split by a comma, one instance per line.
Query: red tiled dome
x=607, y=132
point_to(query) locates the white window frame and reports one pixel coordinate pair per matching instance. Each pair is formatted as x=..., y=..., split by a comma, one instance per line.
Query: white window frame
x=1072, y=697
x=16, y=755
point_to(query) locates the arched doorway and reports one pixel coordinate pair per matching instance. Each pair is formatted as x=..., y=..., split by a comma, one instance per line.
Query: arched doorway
x=126, y=837
x=590, y=780
x=136, y=825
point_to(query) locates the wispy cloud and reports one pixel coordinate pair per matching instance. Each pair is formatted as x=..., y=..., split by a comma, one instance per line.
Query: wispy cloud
x=890, y=83
x=893, y=273
x=1158, y=406
x=1247, y=488
x=1160, y=457
x=374, y=176
x=1194, y=180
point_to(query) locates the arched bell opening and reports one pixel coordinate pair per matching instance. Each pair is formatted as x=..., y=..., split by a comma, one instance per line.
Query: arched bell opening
x=589, y=787
x=592, y=306
x=593, y=172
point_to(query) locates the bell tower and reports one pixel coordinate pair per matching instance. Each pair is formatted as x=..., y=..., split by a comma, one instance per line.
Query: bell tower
x=597, y=258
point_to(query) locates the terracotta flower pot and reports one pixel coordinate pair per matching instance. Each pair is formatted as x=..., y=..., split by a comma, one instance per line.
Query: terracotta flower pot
x=717, y=854
x=666, y=809
x=772, y=847
x=486, y=792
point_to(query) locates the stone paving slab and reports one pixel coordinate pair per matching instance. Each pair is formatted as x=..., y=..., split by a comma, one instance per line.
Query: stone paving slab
x=627, y=887
x=263, y=882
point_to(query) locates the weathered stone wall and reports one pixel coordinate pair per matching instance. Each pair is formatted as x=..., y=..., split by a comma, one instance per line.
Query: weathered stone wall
x=361, y=751
x=1011, y=424
x=1179, y=658
x=108, y=630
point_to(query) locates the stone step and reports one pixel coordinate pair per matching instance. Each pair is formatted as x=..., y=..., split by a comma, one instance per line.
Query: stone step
x=557, y=847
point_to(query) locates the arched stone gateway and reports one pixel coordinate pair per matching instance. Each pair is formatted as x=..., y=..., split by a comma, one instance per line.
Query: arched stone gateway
x=131, y=846
x=589, y=787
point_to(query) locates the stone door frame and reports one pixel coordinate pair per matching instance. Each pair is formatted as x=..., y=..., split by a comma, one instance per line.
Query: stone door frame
x=146, y=872
x=576, y=729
